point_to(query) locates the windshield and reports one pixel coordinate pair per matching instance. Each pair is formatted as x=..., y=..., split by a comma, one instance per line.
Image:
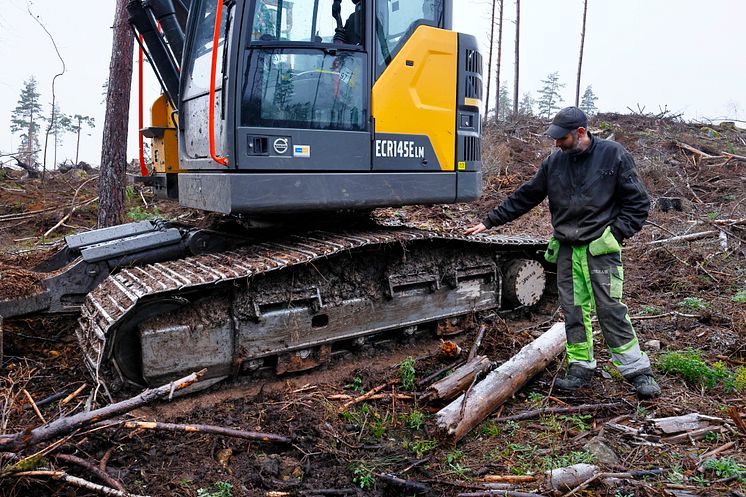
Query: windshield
x=297, y=20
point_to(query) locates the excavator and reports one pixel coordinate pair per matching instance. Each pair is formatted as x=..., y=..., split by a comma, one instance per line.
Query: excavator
x=297, y=118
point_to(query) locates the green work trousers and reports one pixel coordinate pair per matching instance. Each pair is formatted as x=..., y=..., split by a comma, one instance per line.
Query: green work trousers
x=593, y=283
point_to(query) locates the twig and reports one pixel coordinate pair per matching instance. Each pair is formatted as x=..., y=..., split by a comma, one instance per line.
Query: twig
x=33, y=405
x=672, y=313
x=74, y=394
x=535, y=413
x=714, y=452
x=477, y=343
x=198, y=428
x=499, y=493
x=66, y=217
x=439, y=372
x=78, y=482
x=367, y=395
x=62, y=426
x=685, y=238
x=97, y=472
x=600, y=476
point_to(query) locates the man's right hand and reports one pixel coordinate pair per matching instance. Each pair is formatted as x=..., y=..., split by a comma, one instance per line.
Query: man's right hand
x=476, y=229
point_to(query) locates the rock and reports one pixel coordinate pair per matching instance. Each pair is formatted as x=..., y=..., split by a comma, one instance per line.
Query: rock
x=653, y=345
x=602, y=453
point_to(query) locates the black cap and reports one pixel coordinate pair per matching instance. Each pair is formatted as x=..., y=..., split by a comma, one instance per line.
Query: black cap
x=567, y=120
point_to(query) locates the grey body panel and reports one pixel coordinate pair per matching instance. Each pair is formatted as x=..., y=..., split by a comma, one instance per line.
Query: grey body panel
x=277, y=193
x=327, y=150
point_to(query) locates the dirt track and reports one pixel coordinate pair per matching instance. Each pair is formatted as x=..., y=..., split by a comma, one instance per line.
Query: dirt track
x=684, y=294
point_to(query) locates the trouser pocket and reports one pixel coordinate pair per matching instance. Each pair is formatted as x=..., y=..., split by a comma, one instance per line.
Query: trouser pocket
x=552, y=252
x=605, y=244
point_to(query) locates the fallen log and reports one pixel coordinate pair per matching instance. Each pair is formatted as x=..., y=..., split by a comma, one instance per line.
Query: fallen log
x=458, y=381
x=460, y=416
x=63, y=426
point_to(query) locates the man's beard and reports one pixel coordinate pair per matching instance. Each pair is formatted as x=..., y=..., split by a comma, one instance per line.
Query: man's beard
x=574, y=147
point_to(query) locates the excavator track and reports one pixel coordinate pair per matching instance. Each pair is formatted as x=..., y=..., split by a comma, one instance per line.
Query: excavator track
x=291, y=299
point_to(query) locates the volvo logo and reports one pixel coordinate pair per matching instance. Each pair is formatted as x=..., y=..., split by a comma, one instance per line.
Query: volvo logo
x=281, y=145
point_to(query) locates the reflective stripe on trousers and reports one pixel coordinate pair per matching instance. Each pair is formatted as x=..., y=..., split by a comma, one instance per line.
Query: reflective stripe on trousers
x=588, y=283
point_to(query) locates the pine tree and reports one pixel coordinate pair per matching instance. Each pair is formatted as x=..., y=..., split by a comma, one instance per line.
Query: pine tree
x=25, y=120
x=76, y=126
x=58, y=125
x=526, y=106
x=549, y=98
x=112, y=173
x=506, y=104
x=588, y=102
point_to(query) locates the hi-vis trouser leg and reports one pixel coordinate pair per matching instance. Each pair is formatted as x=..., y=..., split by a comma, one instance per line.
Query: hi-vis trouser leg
x=589, y=283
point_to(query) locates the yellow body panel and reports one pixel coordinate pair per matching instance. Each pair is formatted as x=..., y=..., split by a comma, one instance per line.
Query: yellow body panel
x=421, y=98
x=165, y=148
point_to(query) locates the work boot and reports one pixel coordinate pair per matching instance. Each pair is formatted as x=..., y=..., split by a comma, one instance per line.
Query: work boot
x=646, y=386
x=576, y=377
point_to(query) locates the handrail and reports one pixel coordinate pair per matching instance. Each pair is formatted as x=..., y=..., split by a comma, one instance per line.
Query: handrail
x=143, y=167
x=213, y=73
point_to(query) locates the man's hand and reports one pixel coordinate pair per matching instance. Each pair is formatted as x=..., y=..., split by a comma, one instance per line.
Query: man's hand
x=476, y=229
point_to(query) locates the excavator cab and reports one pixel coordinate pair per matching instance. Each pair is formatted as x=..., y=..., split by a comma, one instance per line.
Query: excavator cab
x=316, y=104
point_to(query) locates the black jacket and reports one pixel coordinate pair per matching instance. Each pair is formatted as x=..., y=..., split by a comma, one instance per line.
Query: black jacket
x=587, y=192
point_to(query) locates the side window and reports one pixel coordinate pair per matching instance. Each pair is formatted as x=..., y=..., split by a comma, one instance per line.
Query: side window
x=297, y=20
x=200, y=54
x=397, y=19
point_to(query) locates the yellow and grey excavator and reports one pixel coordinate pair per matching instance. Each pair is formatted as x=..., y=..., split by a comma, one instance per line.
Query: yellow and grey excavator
x=290, y=114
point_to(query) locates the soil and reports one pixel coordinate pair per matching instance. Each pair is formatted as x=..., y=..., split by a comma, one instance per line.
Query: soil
x=685, y=295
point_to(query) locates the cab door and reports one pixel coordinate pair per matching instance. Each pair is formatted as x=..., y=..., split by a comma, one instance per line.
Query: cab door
x=303, y=99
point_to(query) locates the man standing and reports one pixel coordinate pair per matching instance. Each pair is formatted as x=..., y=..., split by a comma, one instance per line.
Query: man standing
x=596, y=200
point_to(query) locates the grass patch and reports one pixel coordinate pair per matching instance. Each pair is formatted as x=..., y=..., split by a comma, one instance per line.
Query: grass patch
x=362, y=476
x=141, y=213
x=690, y=365
x=740, y=297
x=726, y=467
x=407, y=373
x=222, y=489
x=694, y=304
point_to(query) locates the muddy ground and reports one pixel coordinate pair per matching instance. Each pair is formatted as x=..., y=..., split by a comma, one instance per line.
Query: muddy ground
x=684, y=297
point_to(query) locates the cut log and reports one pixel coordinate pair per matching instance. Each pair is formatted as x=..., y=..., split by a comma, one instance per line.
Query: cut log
x=571, y=476
x=458, y=381
x=460, y=416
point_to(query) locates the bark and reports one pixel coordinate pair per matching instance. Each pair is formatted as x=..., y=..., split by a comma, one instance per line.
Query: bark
x=517, y=54
x=580, y=58
x=112, y=181
x=458, y=381
x=459, y=417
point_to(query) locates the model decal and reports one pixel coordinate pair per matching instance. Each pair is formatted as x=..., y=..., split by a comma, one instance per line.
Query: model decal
x=399, y=149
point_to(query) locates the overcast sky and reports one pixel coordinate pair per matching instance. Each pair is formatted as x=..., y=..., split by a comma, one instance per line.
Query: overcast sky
x=687, y=56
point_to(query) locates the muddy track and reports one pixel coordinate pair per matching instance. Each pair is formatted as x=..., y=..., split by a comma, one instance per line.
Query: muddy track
x=147, y=290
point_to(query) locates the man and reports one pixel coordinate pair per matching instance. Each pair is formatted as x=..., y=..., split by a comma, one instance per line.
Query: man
x=353, y=32
x=596, y=200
